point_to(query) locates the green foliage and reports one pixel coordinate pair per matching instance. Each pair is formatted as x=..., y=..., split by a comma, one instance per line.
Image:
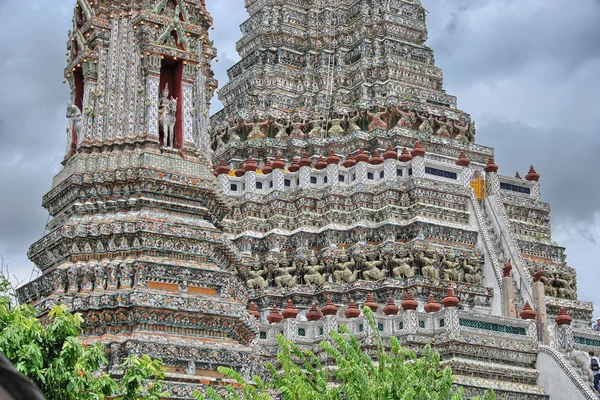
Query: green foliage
x=61, y=365
x=396, y=374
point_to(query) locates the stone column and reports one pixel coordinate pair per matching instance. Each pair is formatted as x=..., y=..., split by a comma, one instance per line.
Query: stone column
x=152, y=70
x=330, y=323
x=539, y=297
x=187, y=91
x=508, y=297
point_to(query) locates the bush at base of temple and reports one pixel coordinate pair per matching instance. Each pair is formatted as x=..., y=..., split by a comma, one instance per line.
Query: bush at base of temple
x=395, y=374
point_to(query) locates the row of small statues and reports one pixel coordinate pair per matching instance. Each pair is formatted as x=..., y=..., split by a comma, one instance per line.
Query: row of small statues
x=562, y=285
x=370, y=266
x=362, y=120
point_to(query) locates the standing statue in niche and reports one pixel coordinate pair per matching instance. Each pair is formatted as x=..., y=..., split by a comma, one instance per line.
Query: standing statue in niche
x=74, y=114
x=168, y=117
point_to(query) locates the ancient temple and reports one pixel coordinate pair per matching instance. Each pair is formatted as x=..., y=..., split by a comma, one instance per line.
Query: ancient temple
x=339, y=174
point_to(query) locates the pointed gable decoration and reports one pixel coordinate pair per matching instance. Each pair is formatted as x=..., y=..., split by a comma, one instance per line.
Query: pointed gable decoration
x=181, y=13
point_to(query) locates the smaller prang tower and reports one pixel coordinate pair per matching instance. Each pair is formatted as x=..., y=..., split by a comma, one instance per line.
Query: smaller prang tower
x=133, y=243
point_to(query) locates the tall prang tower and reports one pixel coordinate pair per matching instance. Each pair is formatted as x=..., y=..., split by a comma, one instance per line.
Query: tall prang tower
x=354, y=179
x=133, y=242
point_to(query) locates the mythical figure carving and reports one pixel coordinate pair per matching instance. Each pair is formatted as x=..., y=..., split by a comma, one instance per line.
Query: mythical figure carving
x=444, y=127
x=371, y=271
x=427, y=264
x=168, y=117
x=450, y=267
x=283, y=276
x=427, y=121
x=472, y=271
x=344, y=269
x=257, y=274
x=565, y=285
x=402, y=267
x=74, y=114
x=312, y=272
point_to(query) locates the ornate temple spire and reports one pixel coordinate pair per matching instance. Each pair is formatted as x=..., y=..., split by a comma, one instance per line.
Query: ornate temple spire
x=321, y=60
x=139, y=71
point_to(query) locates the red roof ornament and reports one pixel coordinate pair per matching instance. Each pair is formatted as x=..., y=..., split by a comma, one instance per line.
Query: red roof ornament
x=390, y=153
x=329, y=308
x=295, y=165
x=321, y=163
x=250, y=165
x=274, y=317
x=268, y=168
x=240, y=171
x=409, y=302
x=391, y=308
x=361, y=156
x=254, y=310
x=332, y=158
x=278, y=164
x=290, y=312
x=405, y=156
x=463, y=160
x=314, y=314
x=532, y=175
x=432, y=305
x=376, y=159
x=450, y=300
x=222, y=168
x=349, y=161
x=491, y=166
x=563, y=318
x=370, y=302
x=305, y=161
x=352, y=311
x=528, y=312
x=518, y=175
x=418, y=151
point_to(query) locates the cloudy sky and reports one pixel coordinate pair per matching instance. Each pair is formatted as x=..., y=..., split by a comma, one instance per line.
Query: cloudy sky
x=527, y=70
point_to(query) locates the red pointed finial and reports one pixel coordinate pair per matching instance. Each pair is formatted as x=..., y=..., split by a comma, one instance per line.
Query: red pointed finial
x=222, y=168
x=254, y=310
x=450, y=300
x=290, y=311
x=268, y=168
x=390, y=153
x=391, y=308
x=352, y=311
x=278, y=164
x=370, y=302
x=321, y=163
x=274, y=317
x=361, y=156
x=349, y=161
x=295, y=166
x=418, y=151
x=250, y=164
x=563, y=318
x=463, y=160
x=314, y=314
x=409, y=302
x=376, y=159
x=332, y=158
x=405, y=156
x=241, y=171
x=432, y=305
x=528, y=312
x=491, y=166
x=329, y=308
x=305, y=161
x=518, y=175
x=532, y=175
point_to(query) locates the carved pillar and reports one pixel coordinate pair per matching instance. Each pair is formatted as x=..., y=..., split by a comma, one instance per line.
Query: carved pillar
x=304, y=175
x=278, y=180
x=411, y=322
x=418, y=167
x=330, y=324
x=539, y=298
x=152, y=72
x=389, y=168
x=188, y=103
x=508, y=297
x=332, y=175
x=90, y=79
x=361, y=172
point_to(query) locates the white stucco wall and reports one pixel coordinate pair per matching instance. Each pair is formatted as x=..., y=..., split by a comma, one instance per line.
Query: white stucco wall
x=555, y=381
